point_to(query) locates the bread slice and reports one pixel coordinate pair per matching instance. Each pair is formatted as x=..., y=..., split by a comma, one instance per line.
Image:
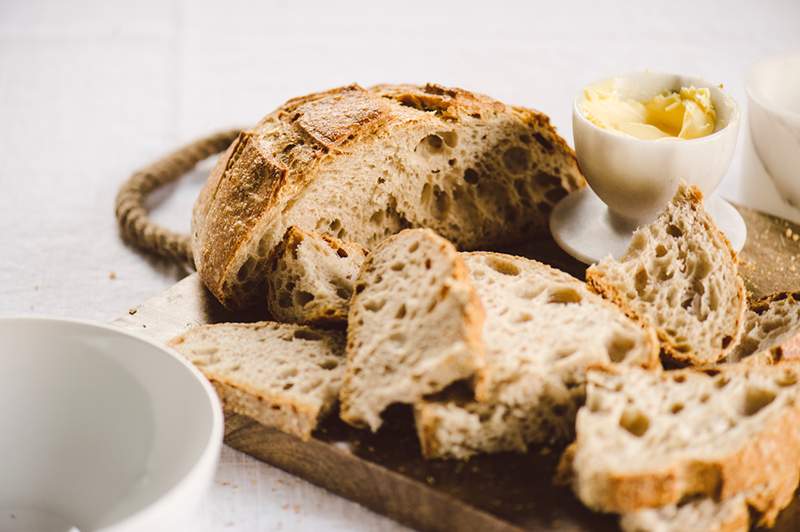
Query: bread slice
x=704, y=514
x=414, y=326
x=311, y=278
x=771, y=331
x=361, y=164
x=680, y=275
x=543, y=330
x=283, y=376
x=648, y=440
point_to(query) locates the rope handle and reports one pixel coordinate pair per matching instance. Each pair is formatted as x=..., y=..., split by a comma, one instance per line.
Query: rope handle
x=134, y=222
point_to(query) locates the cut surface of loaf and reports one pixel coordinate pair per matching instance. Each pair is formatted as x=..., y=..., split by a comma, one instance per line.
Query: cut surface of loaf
x=648, y=440
x=414, y=326
x=282, y=375
x=543, y=330
x=704, y=514
x=680, y=275
x=771, y=330
x=311, y=278
x=361, y=164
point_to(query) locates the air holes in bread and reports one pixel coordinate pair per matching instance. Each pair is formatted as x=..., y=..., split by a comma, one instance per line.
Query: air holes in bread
x=374, y=305
x=343, y=293
x=430, y=145
x=523, y=318
x=303, y=298
x=661, y=250
x=515, y=160
x=502, y=266
x=471, y=176
x=721, y=381
x=543, y=141
x=450, y=138
x=564, y=295
x=554, y=195
x=442, y=203
x=329, y=364
x=787, y=379
x=726, y=341
x=635, y=422
x=755, y=399
x=680, y=379
x=674, y=231
x=401, y=312
x=676, y=408
x=307, y=334
x=619, y=347
x=335, y=225
x=640, y=279
x=342, y=253
x=398, y=266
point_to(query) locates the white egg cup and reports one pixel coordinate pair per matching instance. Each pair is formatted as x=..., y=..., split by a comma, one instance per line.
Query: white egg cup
x=632, y=180
x=773, y=92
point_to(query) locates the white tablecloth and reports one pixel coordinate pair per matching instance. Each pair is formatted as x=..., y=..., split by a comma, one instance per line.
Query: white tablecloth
x=91, y=90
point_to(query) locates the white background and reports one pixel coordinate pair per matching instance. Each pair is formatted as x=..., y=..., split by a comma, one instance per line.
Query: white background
x=89, y=91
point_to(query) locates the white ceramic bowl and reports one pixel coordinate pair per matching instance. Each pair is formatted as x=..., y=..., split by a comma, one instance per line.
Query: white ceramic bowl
x=101, y=430
x=773, y=92
x=636, y=178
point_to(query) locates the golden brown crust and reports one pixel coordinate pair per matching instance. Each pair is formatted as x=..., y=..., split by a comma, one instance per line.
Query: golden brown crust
x=266, y=169
x=769, y=461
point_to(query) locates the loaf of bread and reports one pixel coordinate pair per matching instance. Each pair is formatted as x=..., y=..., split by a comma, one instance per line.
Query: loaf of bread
x=283, y=376
x=771, y=331
x=543, y=330
x=361, y=164
x=414, y=326
x=311, y=278
x=650, y=440
x=679, y=275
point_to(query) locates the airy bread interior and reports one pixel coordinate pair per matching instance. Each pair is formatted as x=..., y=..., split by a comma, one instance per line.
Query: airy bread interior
x=680, y=275
x=414, y=326
x=282, y=375
x=543, y=330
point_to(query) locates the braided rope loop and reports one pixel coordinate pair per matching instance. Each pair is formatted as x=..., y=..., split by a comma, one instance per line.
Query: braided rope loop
x=134, y=222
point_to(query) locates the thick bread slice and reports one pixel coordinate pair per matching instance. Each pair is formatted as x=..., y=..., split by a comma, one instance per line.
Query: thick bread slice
x=414, y=326
x=679, y=275
x=283, y=376
x=647, y=440
x=705, y=514
x=363, y=164
x=311, y=278
x=771, y=331
x=543, y=330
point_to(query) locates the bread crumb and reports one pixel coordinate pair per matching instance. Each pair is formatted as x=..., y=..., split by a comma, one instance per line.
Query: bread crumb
x=132, y=311
x=112, y=275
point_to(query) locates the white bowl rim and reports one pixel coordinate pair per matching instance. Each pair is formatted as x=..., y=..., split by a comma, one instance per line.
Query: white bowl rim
x=212, y=447
x=734, y=119
x=754, y=95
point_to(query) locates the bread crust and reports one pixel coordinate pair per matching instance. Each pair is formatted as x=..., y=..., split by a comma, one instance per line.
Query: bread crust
x=786, y=351
x=269, y=166
x=768, y=463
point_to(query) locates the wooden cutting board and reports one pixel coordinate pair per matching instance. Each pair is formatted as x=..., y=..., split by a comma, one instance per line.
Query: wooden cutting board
x=385, y=472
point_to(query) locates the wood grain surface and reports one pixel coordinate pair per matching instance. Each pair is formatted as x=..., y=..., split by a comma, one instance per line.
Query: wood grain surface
x=385, y=472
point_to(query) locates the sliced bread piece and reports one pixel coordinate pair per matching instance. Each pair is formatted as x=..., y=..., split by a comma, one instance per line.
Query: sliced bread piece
x=311, y=278
x=283, y=376
x=704, y=514
x=680, y=275
x=362, y=164
x=543, y=330
x=414, y=326
x=771, y=331
x=648, y=440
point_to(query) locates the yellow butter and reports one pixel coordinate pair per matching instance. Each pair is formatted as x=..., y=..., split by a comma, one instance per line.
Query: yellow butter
x=685, y=114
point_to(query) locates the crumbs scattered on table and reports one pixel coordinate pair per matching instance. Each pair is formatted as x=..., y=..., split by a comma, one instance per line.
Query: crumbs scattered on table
x=132, y=311
x=112, y=275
